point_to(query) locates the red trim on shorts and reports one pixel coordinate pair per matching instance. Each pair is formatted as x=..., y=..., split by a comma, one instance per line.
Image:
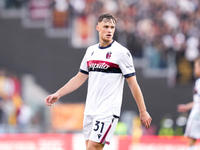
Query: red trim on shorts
x=107, y=142
x=103, y=139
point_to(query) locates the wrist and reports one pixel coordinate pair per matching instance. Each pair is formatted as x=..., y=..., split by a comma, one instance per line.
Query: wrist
x=58, y=94
x=142, y=111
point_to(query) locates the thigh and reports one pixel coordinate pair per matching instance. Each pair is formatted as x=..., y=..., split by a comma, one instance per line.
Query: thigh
x=94, y=146
x=103, y=129
x=87, y=126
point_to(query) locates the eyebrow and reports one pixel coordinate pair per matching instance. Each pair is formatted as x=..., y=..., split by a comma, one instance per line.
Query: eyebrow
x=108, y=25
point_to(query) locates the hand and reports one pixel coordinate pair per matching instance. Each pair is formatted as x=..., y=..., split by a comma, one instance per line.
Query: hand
x=182, y=108
x=145, y=119
x=49, y=100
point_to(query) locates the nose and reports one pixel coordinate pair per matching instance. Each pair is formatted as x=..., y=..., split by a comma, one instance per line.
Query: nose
x=109, y=30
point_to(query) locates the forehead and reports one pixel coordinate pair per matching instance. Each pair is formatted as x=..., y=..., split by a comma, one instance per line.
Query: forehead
x=106, y=21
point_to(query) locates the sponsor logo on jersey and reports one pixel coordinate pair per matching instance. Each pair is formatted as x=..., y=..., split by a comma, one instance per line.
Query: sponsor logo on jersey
x=103, y=66
x=108, y=55
x=94, y=66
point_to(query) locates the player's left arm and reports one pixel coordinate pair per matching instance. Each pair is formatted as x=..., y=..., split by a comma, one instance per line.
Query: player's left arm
x=138, y=96
x=185, y=107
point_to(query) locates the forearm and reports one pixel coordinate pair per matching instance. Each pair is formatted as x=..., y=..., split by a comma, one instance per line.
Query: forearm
x=185, y=107
x=137, y=94
x=73, y=84
x=189, y=105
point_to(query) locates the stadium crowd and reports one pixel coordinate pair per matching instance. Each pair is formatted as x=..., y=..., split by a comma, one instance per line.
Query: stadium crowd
x=151, y=28
x=155, y=26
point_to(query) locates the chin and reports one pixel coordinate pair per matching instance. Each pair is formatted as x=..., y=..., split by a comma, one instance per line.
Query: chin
x=107, y=39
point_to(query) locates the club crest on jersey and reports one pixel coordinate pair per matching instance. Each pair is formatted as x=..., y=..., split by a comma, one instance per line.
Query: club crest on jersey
x=108, y=55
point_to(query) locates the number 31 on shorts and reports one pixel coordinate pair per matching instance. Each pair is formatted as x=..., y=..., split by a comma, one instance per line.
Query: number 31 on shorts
x=99, y=125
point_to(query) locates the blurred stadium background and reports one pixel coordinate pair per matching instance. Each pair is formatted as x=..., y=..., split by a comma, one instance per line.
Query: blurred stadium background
x=42, y=43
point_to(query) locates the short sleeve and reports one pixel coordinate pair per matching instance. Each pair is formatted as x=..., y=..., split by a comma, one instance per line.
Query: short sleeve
x=126, y=64
x=83, y=66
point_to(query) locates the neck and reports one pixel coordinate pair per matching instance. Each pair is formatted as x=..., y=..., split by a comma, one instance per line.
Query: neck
x=105, y=43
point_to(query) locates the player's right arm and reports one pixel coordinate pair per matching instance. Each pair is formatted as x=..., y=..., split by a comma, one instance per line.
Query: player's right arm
x=73, y=84
x=185, y=107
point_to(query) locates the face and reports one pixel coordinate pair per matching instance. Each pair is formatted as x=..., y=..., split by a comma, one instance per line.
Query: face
x=106, y=29
x=197, y=69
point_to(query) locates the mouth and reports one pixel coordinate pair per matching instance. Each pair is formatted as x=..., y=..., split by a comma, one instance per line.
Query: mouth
x=108, y=35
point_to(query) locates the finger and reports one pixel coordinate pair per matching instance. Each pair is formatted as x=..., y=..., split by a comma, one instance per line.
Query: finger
x=46, y=102
x=145, y=124
x=142, y=122
x=148, y=123
x=49, y=101
x=147, y=127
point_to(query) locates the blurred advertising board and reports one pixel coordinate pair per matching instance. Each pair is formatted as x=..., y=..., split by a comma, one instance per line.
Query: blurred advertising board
x=35, y=142
x=76, y=142
x=67, y=117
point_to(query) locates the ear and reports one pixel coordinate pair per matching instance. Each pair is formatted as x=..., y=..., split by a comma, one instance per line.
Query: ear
x=97, y=27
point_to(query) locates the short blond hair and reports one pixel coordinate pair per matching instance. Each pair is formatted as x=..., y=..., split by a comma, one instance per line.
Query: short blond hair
x=108, y=17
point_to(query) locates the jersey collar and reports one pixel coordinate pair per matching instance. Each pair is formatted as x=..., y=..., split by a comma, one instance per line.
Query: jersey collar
x=106, y=46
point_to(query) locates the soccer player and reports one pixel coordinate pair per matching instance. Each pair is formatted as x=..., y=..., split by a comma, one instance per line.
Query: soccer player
x=105, y=64
x=193, y=124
